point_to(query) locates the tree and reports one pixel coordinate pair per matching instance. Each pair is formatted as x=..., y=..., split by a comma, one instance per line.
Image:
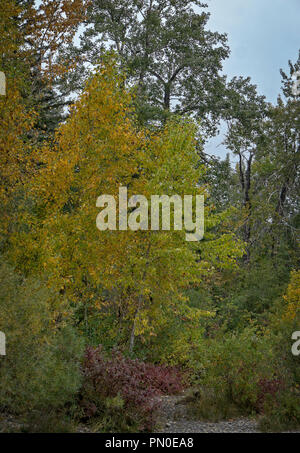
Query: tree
x=129, y=273
x=221, y=181
x=47, y=28
x=277, y=172
x=31, y=38
x=16, y=116
x=245, y=123
x=173, y=60
x=29, y=43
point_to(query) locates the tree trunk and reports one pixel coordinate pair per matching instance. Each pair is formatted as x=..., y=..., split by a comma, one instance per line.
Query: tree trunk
x=245, y=180
x=132, y=338
x=167, y=97
x=132, y=335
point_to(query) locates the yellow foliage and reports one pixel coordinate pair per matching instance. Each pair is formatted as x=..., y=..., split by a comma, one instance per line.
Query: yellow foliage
x=97, y=150
x=292, y=297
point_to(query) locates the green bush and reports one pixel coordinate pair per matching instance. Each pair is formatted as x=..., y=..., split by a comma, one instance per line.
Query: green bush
x=249, y=373
x=230, y=374
x=41, y=369
x=282, y=413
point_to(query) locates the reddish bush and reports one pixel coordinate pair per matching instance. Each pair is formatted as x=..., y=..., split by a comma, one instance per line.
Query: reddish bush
x=267, y=388
x=137, y=383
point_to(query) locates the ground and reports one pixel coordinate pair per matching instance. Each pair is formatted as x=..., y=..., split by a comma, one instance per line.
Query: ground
x=174, y=419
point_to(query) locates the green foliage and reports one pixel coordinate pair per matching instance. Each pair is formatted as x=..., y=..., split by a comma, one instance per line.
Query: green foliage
x=231, y=366
x=40, y=372
x=214, y=308
x=171, y=56
x=283, y=414
x=251, y=373
x=254, y=293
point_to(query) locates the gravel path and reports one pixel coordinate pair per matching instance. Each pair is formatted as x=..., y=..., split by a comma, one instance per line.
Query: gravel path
x=173, y=419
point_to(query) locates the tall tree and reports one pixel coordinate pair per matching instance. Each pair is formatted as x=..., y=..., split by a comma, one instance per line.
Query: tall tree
x=172, y=59
x=245, y=125
x=130, y=273
x=277, y=174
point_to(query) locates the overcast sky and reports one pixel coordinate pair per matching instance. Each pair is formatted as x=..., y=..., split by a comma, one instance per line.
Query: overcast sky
x=263, y=35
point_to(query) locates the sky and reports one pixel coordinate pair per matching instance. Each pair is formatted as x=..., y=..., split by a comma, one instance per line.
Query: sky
x=262, y=35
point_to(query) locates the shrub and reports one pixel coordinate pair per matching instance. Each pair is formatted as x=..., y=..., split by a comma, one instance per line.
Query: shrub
x=122, y=392
x=268, y=389
x=281, y=413
x=41, y=370
x=236, y=373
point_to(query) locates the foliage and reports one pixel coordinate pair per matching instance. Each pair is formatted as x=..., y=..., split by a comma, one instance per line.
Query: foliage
x=47, y=28
x=132, y=273
x=251, y=371
x=233, y=368
x=223, y=309
x=173, y=60
x=122, y=391
x=15, y=115
x=40, y=371
x=292, y=297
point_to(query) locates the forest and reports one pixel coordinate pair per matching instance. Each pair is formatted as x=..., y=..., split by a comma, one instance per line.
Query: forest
x=102, y=327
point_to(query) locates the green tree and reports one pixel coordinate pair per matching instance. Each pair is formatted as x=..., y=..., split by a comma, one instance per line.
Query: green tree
x=277, y=172
x=173, y=60
x=245, y=131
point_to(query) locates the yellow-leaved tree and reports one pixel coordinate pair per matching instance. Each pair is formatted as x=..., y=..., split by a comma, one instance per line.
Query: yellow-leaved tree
x=129, y=275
